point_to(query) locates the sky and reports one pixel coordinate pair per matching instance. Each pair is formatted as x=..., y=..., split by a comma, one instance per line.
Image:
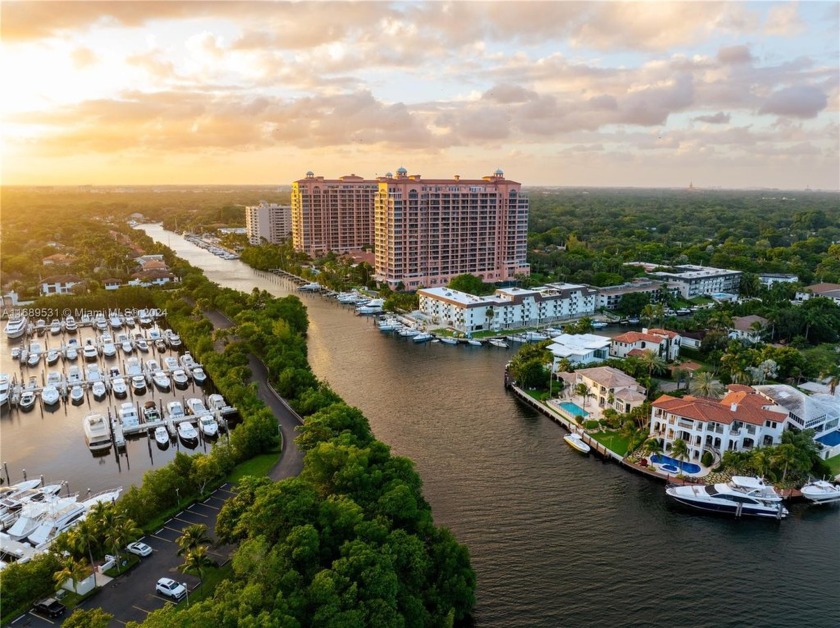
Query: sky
x=659, y=94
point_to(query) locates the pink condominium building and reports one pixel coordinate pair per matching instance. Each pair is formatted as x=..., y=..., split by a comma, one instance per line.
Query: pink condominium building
x=428, y=231
x=332, y=214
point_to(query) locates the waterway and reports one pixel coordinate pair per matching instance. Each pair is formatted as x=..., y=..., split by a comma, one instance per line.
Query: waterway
x=556, y=538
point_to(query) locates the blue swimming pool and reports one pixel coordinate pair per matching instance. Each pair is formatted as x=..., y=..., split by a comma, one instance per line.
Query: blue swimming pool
x=573, y=409
x=831, y=439
x=673, y=465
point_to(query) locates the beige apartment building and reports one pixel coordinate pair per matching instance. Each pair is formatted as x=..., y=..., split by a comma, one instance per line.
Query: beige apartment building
x=332, y=214
x=425, y=231
x=431, y=230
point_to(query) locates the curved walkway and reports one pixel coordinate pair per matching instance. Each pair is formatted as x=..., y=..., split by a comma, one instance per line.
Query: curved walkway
x=291, y=458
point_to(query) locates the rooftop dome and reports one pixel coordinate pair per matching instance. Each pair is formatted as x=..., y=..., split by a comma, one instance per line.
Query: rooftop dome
x=402, y=170
x=389, y=174
x=499, y=172
x=309, y=173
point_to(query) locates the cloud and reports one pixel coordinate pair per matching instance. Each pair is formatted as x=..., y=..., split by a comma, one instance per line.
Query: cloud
x=734, y=55
x=507, y=93
x=718, y=118
x=783, y=20
x=799, y=102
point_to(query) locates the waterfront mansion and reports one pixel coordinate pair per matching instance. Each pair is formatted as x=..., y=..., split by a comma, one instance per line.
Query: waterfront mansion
x=743, y=419
x=507, y=308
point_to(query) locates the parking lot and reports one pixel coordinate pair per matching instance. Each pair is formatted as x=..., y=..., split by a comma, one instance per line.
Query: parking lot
x=132, y=596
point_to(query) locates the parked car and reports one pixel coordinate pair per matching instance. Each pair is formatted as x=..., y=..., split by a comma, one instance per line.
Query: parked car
x=50, y=607
x=169, y=588
x=138, y=548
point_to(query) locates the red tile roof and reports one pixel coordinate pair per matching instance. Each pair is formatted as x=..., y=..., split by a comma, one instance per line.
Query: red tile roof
x=632, y=337
x=742, y=407
x=663, y=332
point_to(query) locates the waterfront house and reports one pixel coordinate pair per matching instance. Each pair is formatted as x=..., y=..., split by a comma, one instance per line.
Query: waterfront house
x=611, y=388
x=743, y=419
x=580, y=348
x=666, y=344
x=60, y=285
x=819, y=412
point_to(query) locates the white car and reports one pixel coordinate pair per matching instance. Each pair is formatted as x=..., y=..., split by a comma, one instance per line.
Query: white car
x=139, y=548
x=169, y=588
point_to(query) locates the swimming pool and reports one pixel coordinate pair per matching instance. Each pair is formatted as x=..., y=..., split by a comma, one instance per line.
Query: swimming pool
x=574, y=409
x=831, y=439
x=672, y=465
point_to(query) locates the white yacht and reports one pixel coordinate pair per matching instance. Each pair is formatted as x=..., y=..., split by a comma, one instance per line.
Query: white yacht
x=161, y=380
x=175, y=410
x=70, y=325
x=310, y=287
x=196, y=407
x=498, y=342
x=138, y=384
x=199, y=376
x=52, y=356
x=109, y=349
x=61, y=515
x=141, y=343
x=92, y=373
x=187, y=432
x=173, y=339
x=100, y=322
x=422, y=337
x=180, y=379
x=119, y=387
x=150, y=412
x=374, y=306
x=216, y=402
x=128, y=415
x=5, y=388
x=40, y=327
x=575, y=441
x=821, y=492
x=187, y=361
x=55, y=327
x=125, y=343
x=27, y=400
x=133, y=367
x=77, y=394
x=161, y=436
x=74, y=376
x=742, y=495
x=71, y=350
x=89, y=351
x=97, y=432
x=34, y=354
x=99, y=390
x=16, y=327
x=115, y=321
x=208, y=426
x=145, y=318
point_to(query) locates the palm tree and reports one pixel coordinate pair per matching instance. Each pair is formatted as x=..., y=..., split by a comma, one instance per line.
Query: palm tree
x=584, y=391
x=123, y=531
x=704, y=384
x=833, y=375
x=785, y=455
x=196, y=560
x=653, y=362
x=193, y=537
x=74, y=570
x=679, y=449
x=652, y=446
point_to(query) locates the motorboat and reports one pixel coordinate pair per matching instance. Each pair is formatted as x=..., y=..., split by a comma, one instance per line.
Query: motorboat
x=141, y=344
x=125, y=344
x=348, y=297
x=55, y=327
x=310, y=287
x=128, y=415
x=374, y=306
x=422, y=337
x=180, y=379
x=175, y=410
x=138, y=384
x=216, y=402
x=161, y=380
x=119, y=387
x=129, y=321
x=97, y=432
x=187, y=361
x=196, y=407
x=92, y=373
x=449, y=340
x=61, y=515
x=160, y=345
x=154, y=335
x=99, y=390
x=170, y=363
x=208, y=426
x=52, y=357
x=474, y=343
x=71, y=350
x=741, y=495
x=408, y=332
x=821, y=492
x=199, y=376
x=100, y=322
x=598, y=324
x=70, y=325
x=133, y=367
x=74, y=376
x=145, y=318
x=162, y=436
x=173, y=339
x=115, y=321
x=55, y=378
x=27, y=400
x=151, y=414
x=16, y=351
x=34, y=354
x=575, y=441
x=77, y=395
x=534, y=336
x=40, y=327
x=86, y=320
x=5, y=389
x=89, y=351
x=16, y=327
x=498, y=342
x=109, y=349
x=50, y=395
x=152, y=366
x=187, y=432
x=388, y=324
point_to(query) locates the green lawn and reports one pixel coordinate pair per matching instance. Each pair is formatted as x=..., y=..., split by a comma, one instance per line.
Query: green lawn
x=258, y=466
x=612, y=440
x=834, y=464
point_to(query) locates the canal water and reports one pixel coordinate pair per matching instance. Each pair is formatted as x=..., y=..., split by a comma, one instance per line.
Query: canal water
x=556, y=538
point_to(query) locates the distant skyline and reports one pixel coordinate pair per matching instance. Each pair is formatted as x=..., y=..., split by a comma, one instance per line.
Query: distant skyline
x=606, y=94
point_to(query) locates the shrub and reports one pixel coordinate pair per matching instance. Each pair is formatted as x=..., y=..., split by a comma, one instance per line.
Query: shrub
x=707, y=459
